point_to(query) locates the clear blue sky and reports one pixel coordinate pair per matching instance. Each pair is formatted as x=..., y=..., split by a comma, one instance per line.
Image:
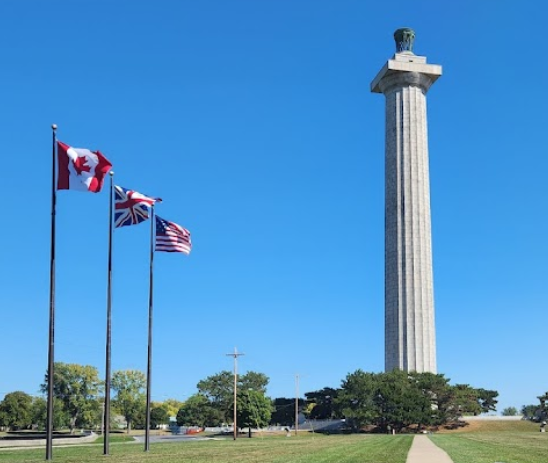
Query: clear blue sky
x=255, y=123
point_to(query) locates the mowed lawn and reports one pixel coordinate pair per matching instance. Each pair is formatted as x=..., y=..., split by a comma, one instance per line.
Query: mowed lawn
x=508, y=442
x=305, y=448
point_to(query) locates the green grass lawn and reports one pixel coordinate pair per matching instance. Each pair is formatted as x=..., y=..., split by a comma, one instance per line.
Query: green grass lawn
x=306, y=448
x=490, y=447
x=490, y=442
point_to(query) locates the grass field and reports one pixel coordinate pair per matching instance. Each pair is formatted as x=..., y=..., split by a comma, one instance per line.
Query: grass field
x=493, y=447
x=306, y=448
x=479, y=442
x=495, y=441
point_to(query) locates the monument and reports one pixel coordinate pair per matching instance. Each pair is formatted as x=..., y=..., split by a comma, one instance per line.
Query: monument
x=410, y=336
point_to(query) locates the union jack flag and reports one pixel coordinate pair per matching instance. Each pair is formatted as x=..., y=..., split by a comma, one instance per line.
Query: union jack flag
x=130, y=207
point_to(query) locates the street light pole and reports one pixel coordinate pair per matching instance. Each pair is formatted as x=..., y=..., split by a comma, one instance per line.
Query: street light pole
x=296, y=403
x=235, y=354
x=249, y=408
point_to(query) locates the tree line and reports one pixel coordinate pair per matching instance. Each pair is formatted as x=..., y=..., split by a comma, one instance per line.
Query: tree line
x=383, y=402
x=79, y=399
x=537, y=412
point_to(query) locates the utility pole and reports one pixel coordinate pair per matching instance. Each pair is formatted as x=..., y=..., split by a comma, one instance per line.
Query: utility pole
x=296, y=403
x=235, y=354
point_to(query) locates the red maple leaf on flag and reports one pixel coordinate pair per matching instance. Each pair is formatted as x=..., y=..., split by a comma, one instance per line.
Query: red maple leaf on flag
x=80, y=165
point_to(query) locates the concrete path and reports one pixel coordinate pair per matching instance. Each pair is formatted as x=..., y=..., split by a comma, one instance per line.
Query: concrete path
x=424, y=451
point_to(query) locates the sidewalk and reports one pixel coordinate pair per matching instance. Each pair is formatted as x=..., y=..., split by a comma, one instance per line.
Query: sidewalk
x=424, y=451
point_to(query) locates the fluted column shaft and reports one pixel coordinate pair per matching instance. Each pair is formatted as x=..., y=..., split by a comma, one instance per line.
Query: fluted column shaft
x=410, y=343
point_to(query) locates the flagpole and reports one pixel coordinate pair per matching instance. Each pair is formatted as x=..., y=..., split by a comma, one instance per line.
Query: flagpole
x=106, y=424
x=150, y=300
x=51, y=340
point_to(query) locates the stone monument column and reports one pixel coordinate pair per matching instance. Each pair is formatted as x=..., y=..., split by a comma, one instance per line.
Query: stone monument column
x=410, y=337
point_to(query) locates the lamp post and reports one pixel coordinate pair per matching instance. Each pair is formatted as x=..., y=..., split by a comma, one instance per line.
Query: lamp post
x=249, y=411
x=296, y=403
x=235, y=354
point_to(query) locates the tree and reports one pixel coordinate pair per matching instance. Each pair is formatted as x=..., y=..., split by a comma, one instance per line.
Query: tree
x=77, y=387
x=530, y=412
x=487, y=400
x=466, y=400
x=253, y=380
x=397, y=399
x=171, y=406
x=284, y=411
x=400, y=401
x=39, y=413
x=356, y=398
x=440, y=394
x=158, y=416
x=139, y=418
x=510, y=411
x=323, y=402
x=219, y=389
x=16, y=410
x=130, y=399
x=254, y=409
x=198, y=410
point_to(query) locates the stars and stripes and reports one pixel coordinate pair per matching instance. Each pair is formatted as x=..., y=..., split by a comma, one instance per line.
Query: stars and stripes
x=131, y=207
x=171, y=237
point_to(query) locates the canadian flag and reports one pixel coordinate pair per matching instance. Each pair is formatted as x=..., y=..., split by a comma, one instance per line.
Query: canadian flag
x=80, y=168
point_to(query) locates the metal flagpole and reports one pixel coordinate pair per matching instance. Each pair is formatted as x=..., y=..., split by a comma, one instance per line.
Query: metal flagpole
x=49, y=419
x=106, y=416
x=150, y=300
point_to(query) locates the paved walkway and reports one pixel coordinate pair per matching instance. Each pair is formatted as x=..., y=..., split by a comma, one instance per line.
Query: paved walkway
x=424, y=451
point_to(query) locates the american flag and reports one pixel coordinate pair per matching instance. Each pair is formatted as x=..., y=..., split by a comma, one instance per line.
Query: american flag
x=130, y=207
x=171, y=237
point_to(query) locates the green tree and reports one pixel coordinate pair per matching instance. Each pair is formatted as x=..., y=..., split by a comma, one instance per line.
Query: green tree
x=198, y=410
x=284, y=411
x=356, y=398
x=397, y=399
x=440, y=394
x=323, y=402
x=466, y=400
x=487, y=400
x=253, y=380
x=219, y=389
x=254, y=409
x=510, y=411
x=472, y=401
x=171, y=406
x=158, y=416
x=16, y=410
x=139, y=419
x=130, y=398
x=530, y=412
x=77, y=387
x=400, y=402
x=61, y=418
